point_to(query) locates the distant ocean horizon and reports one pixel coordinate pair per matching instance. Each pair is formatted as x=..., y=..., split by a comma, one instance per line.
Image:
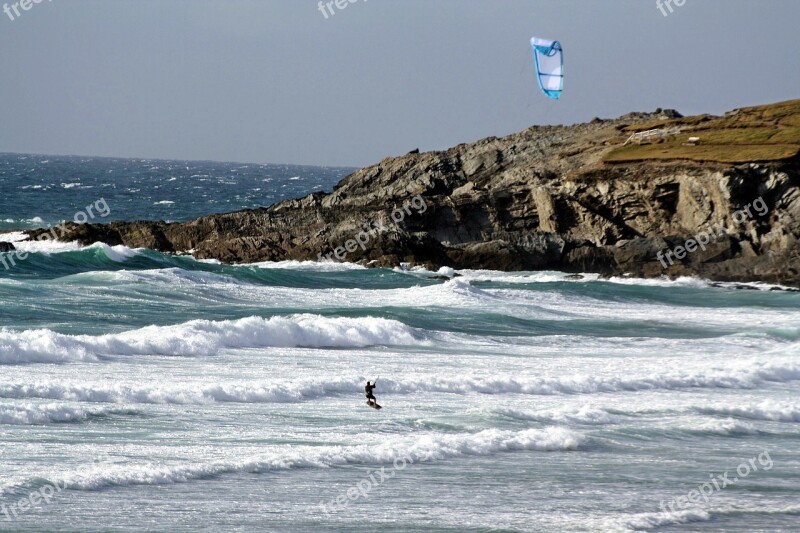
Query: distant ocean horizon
x=142, y=391
x=48, y=189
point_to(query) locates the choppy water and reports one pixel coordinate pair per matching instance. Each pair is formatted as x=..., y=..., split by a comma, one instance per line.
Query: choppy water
x=44, y=190
x=142, y=392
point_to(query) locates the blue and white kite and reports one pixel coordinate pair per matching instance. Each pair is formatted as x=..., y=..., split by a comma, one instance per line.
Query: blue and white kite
x=549, y=58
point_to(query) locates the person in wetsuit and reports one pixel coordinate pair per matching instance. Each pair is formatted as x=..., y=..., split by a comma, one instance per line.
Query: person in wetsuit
x=368, y=391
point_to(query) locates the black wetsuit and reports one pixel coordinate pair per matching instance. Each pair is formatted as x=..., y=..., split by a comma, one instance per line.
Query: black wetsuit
x=368, y=390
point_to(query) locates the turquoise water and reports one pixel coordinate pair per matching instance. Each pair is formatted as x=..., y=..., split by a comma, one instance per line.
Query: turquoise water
x=140, y=391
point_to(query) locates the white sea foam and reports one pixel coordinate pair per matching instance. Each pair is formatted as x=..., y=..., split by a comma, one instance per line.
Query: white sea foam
x=40, y=346
x=556, y=276
x=318, y=266
x=463, y=288
x=167, y=276
x=183, y=393
x=648, y=521
x=545, y=276
x=586, y=414
x=118, y=253
x=654, y=520
x=301, y=266
x=282, y=391
x=206, y=337
x=767, y=410
x=22, y=243
x=428, y=448
x=727, y=427
x=591, y=415
x=36, y=414
x=423, y=272
x=446, y=272
x=47, y=247
x=746, y=374
x=35, y=221
x=14, y=236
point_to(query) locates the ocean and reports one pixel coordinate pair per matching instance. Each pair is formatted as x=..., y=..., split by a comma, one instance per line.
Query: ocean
x=147, y=392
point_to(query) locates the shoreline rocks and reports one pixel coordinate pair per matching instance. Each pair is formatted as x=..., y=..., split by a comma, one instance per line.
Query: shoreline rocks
x=540, y=199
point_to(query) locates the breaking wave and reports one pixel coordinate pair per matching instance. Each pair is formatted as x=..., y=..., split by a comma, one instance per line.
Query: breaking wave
x=757, y=375
x=767, y=410
x=38, y=414
x=206, y=337
x=434, y=447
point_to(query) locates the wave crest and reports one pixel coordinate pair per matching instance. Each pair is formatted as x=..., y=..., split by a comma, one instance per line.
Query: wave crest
x=414, y=450
x=206, y=337
x=39, y=414
x=767, y=410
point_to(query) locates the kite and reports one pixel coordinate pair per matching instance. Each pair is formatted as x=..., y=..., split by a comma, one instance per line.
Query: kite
x=549, y=58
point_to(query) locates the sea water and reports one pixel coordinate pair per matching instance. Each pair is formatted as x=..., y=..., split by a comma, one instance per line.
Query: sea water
x=146, y=392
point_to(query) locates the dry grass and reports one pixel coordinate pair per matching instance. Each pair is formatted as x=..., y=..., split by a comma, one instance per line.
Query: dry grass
x=793, y=121
x=719, y=154
x=655, y=124
x=753, y=134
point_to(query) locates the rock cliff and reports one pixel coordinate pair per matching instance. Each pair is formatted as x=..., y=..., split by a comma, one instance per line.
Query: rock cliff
x=572, y=198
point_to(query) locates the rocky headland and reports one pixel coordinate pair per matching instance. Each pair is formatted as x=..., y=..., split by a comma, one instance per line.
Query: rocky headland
x=570, y=198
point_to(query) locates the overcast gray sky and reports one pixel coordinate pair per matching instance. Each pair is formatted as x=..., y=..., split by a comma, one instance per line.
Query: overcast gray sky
x=275, y=81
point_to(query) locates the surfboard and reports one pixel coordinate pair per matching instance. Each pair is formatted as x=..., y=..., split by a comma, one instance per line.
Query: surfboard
x=374, y=405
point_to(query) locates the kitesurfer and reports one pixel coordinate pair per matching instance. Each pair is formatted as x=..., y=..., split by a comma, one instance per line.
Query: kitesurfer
x=368, y=391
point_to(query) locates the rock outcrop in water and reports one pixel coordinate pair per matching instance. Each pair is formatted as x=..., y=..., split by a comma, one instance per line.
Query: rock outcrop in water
x=550, y=197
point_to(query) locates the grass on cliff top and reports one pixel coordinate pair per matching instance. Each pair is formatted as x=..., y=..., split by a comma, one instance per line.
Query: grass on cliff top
x=753, y=134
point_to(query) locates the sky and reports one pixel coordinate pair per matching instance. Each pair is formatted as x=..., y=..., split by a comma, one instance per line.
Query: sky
x=275, y=81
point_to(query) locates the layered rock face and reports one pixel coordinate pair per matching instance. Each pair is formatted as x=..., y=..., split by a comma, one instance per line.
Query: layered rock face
x=540, y=199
